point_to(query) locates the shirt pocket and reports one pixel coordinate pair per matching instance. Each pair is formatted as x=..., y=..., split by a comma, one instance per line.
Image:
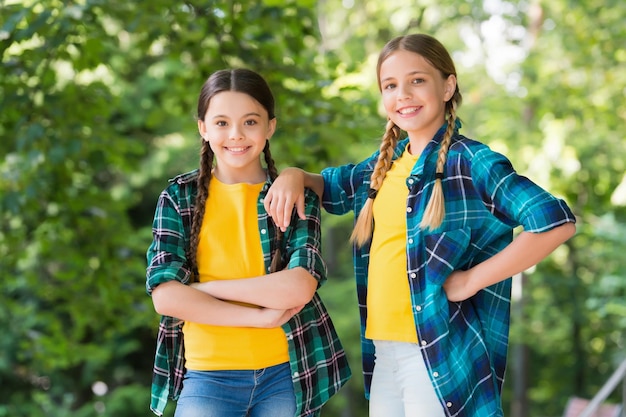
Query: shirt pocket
x=445, y=253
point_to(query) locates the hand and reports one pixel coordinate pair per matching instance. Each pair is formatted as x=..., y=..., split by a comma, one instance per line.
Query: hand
x=286, y=192
x=271, y=318
x=457, y=286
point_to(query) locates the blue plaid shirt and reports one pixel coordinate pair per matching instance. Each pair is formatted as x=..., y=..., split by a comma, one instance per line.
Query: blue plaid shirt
x=464, y=343
x=318, y=362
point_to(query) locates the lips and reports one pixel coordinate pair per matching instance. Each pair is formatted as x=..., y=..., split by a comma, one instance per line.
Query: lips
x=408, y=110
x=238, y=149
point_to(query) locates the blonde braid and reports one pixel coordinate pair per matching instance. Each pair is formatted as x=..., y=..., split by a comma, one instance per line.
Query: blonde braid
x=436, y=209
x=363, y=228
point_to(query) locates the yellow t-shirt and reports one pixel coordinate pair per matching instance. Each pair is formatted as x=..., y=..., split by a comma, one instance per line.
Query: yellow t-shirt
x=230, y=248
x=389, y=312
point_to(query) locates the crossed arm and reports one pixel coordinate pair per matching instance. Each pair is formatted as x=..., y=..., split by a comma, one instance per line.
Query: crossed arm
x=279, y=295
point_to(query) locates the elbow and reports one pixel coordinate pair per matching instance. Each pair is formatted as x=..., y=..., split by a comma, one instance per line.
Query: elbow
x=298, y=289
x=161, y=299
x=307, y=288
x=569, y=230
x=302, y=298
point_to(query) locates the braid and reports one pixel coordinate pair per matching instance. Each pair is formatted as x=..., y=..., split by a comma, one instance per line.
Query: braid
x=277, y=256
x=436, y=210
x=362, y=231
x=204, y=177
x=269, y=161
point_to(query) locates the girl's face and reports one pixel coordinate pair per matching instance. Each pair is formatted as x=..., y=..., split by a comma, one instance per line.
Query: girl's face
x=414, y=94
x=237, y=127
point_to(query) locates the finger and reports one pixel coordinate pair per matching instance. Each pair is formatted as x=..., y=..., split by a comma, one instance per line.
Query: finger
x=267, y=203
x=287, y=209
x=300, y=207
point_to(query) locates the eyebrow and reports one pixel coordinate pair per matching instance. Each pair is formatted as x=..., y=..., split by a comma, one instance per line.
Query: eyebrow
x=409, y=74
x=223, y=116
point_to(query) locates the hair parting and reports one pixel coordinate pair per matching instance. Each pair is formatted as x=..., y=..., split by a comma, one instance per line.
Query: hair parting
x=251, y=83
x=436, y=54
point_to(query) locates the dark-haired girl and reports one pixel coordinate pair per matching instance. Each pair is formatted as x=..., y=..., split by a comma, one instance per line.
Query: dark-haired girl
x=243, y=332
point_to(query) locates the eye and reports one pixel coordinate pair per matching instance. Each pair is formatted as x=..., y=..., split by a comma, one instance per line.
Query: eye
x=389, y=86
x=418, y=81
x=221, y=123
x=250, y=122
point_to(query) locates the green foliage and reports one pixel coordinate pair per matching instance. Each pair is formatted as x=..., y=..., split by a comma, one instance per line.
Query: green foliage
x=97, y=110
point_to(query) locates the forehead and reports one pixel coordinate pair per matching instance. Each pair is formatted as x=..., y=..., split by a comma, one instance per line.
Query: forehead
x=234, y=104
x=403, y=63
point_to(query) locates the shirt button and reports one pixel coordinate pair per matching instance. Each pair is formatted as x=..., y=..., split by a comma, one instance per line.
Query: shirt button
x=448, y=404
x=296, y=374
x=263, y=231
x=409, y=209
x=424, y=343
x=261, y=200
x=411, y=180
x=410, y=241
x=435, y=374
x=413, y=275
x=418, y=308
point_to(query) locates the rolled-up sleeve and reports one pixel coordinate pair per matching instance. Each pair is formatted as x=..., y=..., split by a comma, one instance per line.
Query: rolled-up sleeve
x=166, y=255
x=304, y=245
x=516, y=199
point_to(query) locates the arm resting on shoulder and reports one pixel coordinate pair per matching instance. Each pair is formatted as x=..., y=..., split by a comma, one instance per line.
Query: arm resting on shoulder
x=287, y=191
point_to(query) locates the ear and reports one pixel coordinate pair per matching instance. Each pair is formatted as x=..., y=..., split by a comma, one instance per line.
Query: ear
x=202, y=130
x=271, y=128
x=450, y=87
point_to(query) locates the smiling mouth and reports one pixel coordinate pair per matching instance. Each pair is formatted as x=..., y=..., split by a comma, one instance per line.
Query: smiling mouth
x=237, y=149
x=408, y=110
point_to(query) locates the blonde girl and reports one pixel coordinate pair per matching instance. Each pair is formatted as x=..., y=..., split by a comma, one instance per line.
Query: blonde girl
x=433, y=242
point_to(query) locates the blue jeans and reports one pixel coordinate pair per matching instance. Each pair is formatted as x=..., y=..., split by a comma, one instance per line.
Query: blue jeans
x=266, y=392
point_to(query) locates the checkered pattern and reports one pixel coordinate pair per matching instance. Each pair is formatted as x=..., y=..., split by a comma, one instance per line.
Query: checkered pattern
x=465, y=343
x=317, y=359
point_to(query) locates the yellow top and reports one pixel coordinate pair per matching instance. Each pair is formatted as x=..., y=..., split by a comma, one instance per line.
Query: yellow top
x=230, y=248
x=389, y=312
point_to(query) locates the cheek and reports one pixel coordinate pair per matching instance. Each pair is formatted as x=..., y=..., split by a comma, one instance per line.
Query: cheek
x=389, y=102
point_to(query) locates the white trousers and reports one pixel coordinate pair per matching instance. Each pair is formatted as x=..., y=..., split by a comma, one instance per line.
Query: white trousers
x=401, y=386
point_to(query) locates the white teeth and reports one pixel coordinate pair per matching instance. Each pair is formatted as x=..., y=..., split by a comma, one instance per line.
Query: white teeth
x=236, y=149
x=408, y=110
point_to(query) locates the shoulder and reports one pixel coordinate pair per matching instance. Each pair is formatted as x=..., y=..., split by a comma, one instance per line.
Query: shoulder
x=186, y=178
x=475, y=152
x=311, y=202
x=182, y=186
x=464, y=145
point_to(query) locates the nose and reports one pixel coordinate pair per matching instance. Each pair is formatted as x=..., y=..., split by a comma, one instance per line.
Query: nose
x=236, y=133
x=404, y=91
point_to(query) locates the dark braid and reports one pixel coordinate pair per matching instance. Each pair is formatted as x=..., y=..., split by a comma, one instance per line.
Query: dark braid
x=240, y=80
x=204, y=177
x=277, y=256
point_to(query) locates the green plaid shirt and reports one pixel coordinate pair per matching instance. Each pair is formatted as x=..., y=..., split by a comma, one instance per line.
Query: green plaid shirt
x=464, y=344
x=318, y=362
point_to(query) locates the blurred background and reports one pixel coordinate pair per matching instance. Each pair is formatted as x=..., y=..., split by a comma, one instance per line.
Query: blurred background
x=97, y=111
